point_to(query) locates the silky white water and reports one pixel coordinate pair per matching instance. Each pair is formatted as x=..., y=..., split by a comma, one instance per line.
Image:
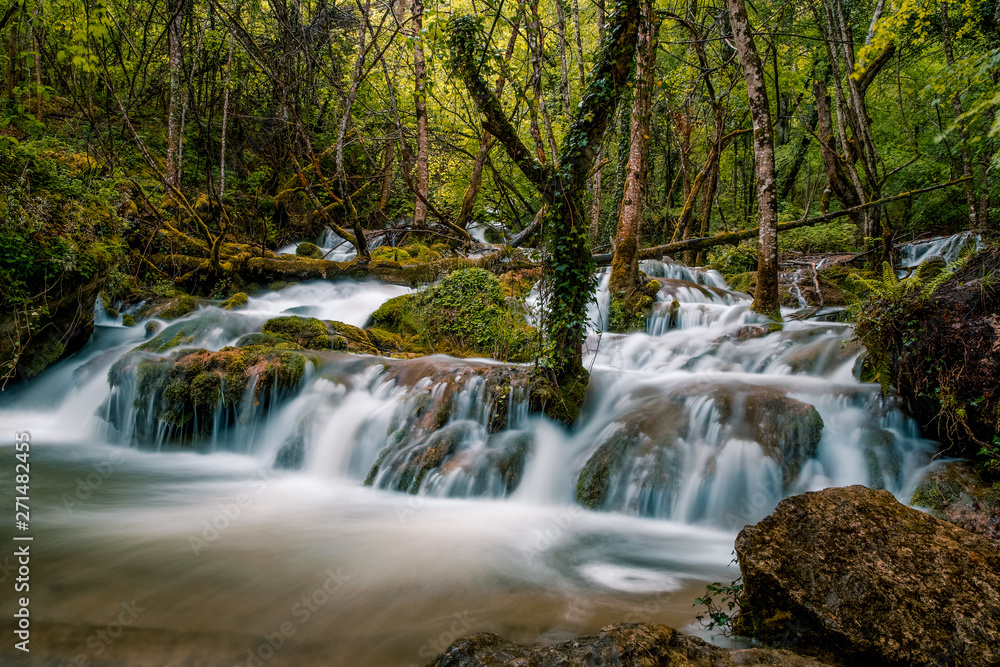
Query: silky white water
x=224, y=550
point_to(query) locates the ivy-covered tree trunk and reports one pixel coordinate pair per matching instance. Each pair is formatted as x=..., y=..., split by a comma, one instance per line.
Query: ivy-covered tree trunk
x=765, y=299
x=570, y=265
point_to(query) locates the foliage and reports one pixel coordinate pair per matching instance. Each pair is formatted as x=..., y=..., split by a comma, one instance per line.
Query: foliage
x=720, y=601
x=831, y=237
x=732, y=260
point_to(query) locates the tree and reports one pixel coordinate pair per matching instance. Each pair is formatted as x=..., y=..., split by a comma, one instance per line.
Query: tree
x=570, y=264
x=765, y=298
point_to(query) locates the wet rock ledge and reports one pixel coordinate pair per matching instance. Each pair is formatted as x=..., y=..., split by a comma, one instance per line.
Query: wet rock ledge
x=623, y=645
x=844, y=576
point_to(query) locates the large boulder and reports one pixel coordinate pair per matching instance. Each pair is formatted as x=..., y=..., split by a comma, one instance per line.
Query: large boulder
x=623, y=645
x=851, y=574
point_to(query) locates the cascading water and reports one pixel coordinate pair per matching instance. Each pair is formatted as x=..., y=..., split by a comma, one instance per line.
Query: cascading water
x=424, y=490
x=947, y=247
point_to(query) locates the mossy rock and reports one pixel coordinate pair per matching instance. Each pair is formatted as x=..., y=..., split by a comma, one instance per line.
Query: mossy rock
x=467, y=314
x=518, y=284
x=307, y=332
x=593, y=486
x=185, y=389
x=128, y=320
x=237, y=301
x=309, y=251
x=743, y=282
x=936, y=494
x=182, y=306
x=269, y=339
x=391, y=315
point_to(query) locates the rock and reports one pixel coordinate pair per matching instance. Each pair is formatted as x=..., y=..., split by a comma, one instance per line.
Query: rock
x=622, y=645
x=941, y=352
x=431, y=427
x=307, y=332
x=185, y=389
x=851, y=573
x=640, y=448
x=956, y=493
x=309, y=251
x=237, y=301
x=34, y=339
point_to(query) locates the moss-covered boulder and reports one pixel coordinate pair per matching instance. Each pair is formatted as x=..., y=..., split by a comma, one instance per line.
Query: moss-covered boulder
x=237, y=301
x=307, y=332
x=466, y=314
x=193, y=391
x=309, y=251
x=850, y=574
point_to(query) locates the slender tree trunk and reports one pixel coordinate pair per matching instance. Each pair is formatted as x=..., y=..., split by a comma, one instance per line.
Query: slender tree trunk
x=964, y=154
x=563, y=62
x=174, y=45
x=36, y=42
x=579, y=43
x=625, y=266
x=766, y=296
x=388, y=159
x=225, y=118
x=420, y=100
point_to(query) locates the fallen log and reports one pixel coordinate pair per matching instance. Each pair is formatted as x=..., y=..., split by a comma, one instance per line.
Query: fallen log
x=732, y=238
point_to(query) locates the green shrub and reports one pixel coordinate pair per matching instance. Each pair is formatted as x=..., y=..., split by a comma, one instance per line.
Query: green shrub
x=831, y=237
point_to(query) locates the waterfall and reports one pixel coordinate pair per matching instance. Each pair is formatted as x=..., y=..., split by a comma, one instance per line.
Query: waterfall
x=426, y=477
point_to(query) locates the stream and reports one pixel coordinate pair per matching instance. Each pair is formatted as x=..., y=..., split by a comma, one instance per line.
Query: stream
x=263, y=544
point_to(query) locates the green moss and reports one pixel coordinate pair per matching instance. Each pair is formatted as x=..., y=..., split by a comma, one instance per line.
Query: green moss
x=128, y=320
x=308, y=332
x=181, y=307
x=391, y=315
x=936, y=494
x=743, y=282
x=236, y=301
x=467, y=314
x=45, y=355
x=206, y=389
x=309, y=250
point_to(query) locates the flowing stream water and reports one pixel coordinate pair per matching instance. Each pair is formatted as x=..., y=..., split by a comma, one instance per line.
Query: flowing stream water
x=262, y=543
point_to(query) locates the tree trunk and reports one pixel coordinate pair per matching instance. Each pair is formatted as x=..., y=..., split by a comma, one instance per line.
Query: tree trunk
x=389, y=158
x=485, y=144
x=625, y=266
x=766, y=296
x=964, y=154
x=420, y=103
x=563, y=63
x=225, y=118
x=570, y=266
x=175, y=11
